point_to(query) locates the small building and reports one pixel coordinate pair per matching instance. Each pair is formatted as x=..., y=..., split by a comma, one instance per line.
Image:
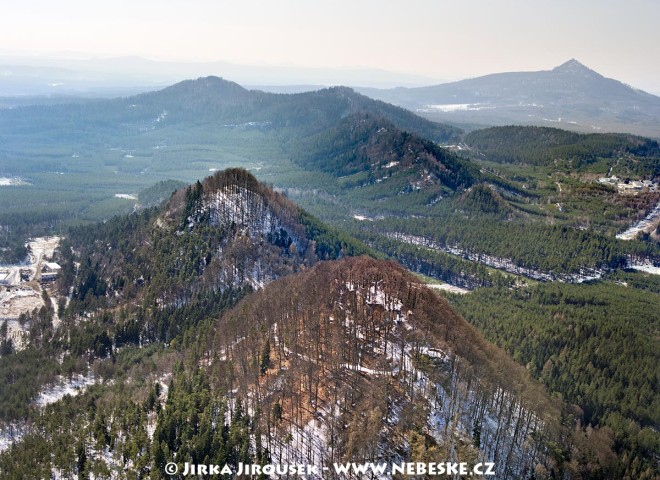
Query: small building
x=51, y=267
x=49, y=271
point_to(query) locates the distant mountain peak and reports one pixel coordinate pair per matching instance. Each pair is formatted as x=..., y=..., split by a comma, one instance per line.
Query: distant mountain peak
x=570, y=96
x=574, y=67
x=572, y=63
x=215, y=82
x=210, y=83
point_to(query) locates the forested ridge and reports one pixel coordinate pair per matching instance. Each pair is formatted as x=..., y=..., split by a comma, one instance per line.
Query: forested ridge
x=208, y=100
x=554, y=249
x=596, y=345
x=543, y=146
x=375, y=146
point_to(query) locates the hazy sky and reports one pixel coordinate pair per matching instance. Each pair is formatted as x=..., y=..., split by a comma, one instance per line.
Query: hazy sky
x=436, y=38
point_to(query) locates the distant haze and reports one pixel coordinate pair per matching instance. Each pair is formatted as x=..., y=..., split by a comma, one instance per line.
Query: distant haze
x=423, y=41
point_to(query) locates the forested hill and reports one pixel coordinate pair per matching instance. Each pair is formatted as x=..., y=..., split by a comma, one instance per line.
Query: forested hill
x=304, y=112
x=365, y=149
x=544, y=146
x=215, y=101
x=226, y=233
x=356, y=359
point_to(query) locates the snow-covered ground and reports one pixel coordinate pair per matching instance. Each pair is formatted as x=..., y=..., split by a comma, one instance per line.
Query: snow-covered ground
x=448, y=288
x=9, y=434
x=126, y=196
x=17, y=334
x=9, y=181
x=17, y=300
x=242, y=207
x=15, y=431
x=647, y=267
x=306, y=444
x=457, y=107
x=74, y=386
x=44, y=247
x=644, y=225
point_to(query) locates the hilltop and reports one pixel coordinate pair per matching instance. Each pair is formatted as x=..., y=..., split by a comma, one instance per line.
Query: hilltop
x=369, y=157
x=358, y=360
x=147, y=278
x=228, y=232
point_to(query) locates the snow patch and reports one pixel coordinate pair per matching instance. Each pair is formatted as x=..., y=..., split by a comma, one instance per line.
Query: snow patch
x=161, y=117
x=126, y=196
x=12, y=181
x=448, y=288
x=644, y=225
x=10, y=434
x=457, y=107
x=648, y=268
x=76, y=385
